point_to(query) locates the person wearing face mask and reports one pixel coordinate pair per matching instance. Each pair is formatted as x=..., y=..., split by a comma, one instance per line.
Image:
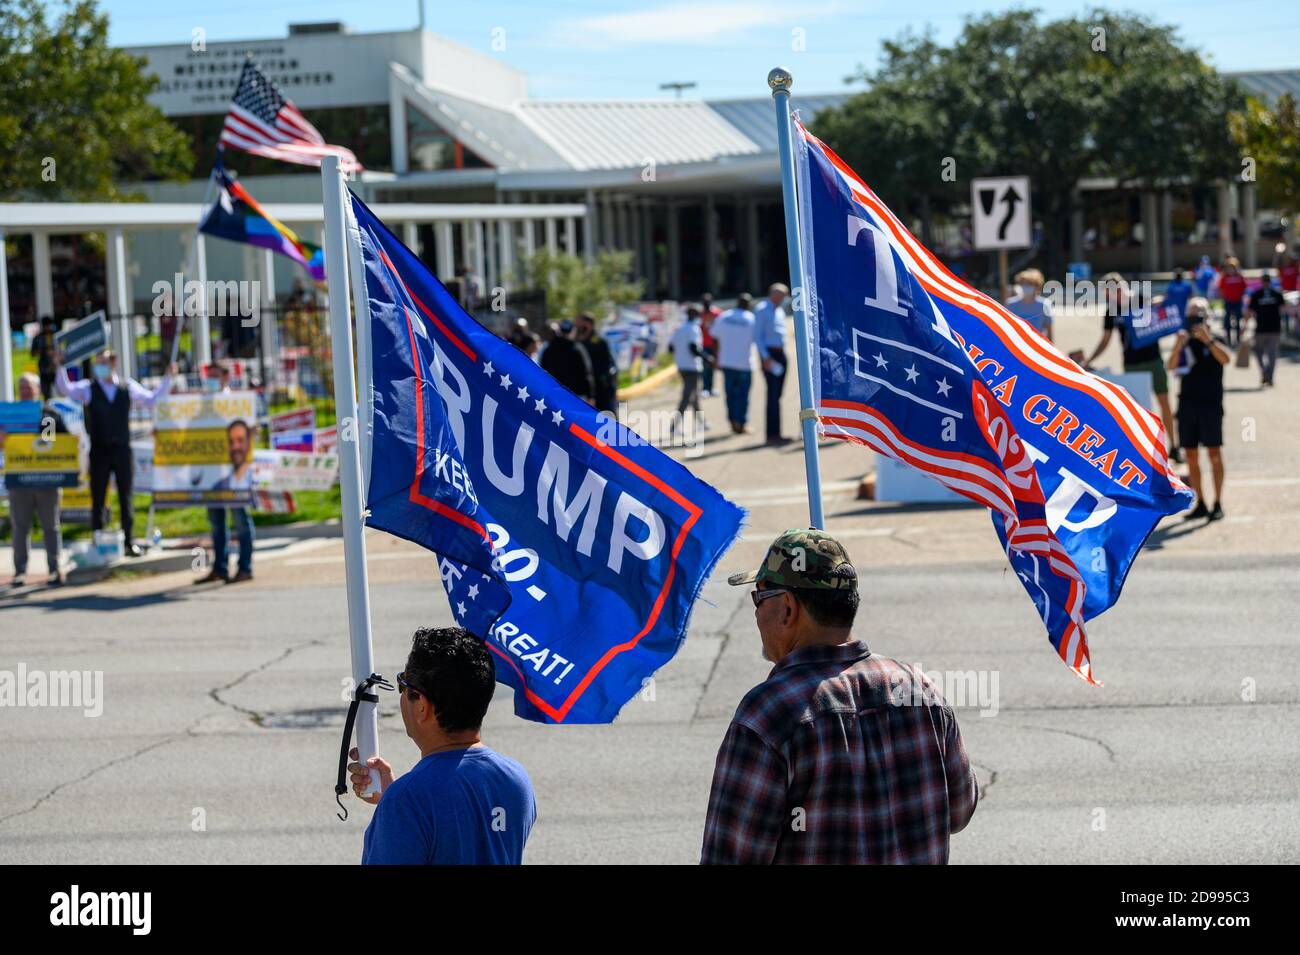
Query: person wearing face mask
x=108, y=400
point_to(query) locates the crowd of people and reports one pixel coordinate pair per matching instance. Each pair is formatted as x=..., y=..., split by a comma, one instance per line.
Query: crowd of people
x=1199, y=354
x=576, y=355
x=711, y=344
x=108, y=399
x=711, y=340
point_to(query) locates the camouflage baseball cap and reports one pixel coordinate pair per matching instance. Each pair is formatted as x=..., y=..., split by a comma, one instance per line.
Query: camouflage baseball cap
x=805, y=558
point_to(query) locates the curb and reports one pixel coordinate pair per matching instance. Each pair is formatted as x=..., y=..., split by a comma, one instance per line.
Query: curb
x=181, y=557
x=651, y=382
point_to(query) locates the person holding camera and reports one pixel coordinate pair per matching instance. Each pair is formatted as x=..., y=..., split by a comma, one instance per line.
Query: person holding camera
x=1199, y=357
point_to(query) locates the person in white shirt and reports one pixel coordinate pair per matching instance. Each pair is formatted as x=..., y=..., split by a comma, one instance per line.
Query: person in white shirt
x=108, y=402
x=687, y=346
x=734, y=332
x=769, y=339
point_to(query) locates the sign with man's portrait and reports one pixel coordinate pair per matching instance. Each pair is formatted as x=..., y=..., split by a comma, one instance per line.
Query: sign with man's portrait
x=203, y=450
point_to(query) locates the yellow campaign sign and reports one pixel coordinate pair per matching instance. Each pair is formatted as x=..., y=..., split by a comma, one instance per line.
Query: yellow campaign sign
x=202, y=453
x=31, y=460
x=74, y=502
x=188, y=412
x=78, y=498
x=28, y=453
x=191, y=446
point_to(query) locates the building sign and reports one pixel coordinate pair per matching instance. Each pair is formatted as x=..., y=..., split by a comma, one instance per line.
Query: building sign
x=316, y=71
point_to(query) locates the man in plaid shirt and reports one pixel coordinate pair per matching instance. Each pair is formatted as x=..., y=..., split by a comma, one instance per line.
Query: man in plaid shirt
x=841, y=756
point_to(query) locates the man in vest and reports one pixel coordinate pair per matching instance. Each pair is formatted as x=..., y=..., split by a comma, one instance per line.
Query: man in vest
x=108, y=402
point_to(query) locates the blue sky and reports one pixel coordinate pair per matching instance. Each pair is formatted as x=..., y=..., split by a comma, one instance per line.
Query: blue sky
x=588, y=49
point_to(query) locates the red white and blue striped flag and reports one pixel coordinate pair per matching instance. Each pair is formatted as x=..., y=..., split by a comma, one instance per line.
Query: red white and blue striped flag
x=262, y=121
x=918, y=366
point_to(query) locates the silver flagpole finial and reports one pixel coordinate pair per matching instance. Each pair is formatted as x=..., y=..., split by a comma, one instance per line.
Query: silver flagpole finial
x=780, y=80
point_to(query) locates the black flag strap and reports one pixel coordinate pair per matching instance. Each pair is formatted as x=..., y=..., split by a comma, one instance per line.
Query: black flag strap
x=362, y=694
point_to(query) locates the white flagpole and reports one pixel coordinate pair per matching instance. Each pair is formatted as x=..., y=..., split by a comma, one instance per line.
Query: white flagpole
x=178, y=307
x=349, y=429
x=780, y=82
x=361, y=309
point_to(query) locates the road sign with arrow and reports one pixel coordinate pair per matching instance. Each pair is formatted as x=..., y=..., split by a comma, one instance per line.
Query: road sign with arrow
x=1000, y=213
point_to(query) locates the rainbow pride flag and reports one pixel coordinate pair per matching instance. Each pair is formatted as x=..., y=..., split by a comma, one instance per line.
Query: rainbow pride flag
x=237, y=216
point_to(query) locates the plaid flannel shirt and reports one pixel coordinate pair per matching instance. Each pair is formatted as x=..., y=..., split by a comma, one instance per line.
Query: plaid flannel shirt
x=841, y=756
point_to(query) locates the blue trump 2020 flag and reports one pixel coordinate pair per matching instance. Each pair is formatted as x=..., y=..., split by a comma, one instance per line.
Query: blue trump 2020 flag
x=915, y=364
x=570, y=545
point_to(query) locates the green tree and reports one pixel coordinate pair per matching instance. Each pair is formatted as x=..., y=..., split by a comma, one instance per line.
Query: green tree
x=1270, y=136
x=75, y=121
x=573, y=285
x=1104, y=94
x=903, y=107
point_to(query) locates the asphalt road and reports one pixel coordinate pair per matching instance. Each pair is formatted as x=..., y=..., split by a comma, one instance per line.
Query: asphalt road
x=222, y=708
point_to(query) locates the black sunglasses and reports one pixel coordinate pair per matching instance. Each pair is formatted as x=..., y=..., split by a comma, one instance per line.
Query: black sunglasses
x=409, y=686
x=758, y=596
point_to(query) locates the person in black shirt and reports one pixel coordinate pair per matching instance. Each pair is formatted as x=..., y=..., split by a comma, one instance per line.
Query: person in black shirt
x=43, y=347
x=603, y=370
x=1144, y=358
x=1199, y=357
x=567, y=362
x=1265, y=306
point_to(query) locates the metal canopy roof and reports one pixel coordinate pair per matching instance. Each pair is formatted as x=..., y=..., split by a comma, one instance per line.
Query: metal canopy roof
x=98, y=216
x=625, y=134
x=1270, y=84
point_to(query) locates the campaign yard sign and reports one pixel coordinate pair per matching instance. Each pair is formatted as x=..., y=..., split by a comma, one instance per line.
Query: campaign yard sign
x=18, y=417
x=29, y=458
x=294, y=470
x=74, y=502
x=326, y=440
x=37, y=460
x=203, y=450
x=294, y=430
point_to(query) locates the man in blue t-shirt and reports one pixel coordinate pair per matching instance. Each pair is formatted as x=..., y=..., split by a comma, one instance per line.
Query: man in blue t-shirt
x=461, y=803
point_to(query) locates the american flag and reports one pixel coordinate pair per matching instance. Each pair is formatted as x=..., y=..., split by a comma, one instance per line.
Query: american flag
x=263, y=122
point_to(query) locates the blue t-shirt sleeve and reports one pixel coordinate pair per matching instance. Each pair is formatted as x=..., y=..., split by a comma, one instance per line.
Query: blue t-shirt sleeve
x=397, y=835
